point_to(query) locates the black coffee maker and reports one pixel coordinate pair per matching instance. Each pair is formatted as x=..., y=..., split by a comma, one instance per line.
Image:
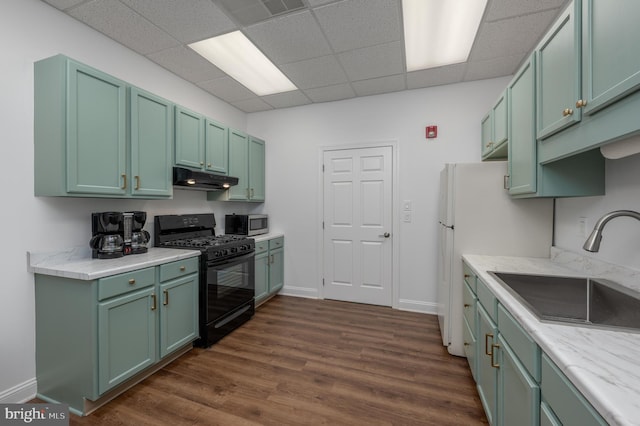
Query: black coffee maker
x=135, y=238
x=106, y=235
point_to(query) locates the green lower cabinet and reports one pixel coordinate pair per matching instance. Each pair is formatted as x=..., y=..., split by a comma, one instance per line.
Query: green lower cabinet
x=269, y=261
x=487, y=373
x=126, y=337
x=519, y=399
x=92, y=336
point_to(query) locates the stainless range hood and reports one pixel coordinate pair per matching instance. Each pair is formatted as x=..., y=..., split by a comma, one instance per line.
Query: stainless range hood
x=201, y=181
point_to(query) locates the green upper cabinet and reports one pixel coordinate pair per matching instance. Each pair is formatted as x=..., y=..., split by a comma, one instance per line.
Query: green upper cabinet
x=495, y=130
x=90, y=142
x=151, y=142
x=189, y=140
x=216, y=147
x=522, y=161
x=247, y=163
x=558, y=74
x=610, y=35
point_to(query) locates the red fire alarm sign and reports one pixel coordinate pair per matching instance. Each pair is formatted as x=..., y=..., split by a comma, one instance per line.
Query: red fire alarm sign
x=432, y=132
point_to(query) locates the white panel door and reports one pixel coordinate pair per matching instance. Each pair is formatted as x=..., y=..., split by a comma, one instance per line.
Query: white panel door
x=357, y=225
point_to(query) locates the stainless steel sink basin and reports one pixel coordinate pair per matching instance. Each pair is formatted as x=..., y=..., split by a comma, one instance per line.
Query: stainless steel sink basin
x=580, y=301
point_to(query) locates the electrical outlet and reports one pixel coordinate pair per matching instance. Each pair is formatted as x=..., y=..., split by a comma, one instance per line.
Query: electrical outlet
x=406, y=217
x=583, y=228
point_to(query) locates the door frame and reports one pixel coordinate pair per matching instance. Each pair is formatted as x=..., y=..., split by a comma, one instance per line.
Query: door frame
x=395, y=204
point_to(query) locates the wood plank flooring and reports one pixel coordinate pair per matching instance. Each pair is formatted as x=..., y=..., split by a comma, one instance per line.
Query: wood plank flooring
x=303, y=361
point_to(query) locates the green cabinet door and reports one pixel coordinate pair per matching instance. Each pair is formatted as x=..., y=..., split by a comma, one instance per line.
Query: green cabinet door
x=96, y=132
x=558, y=74
x=151, y=142
x=487, y=377
x=216, y=147
x=178, y=313
x=494, y=130
x=189, y=138
x=126, y=337
x=522, y=162
x=519, y=394
x=256, y=169
x=238, y=164
x=276, y=270
x=262, y=275
x=486, y=129
x=610, y=35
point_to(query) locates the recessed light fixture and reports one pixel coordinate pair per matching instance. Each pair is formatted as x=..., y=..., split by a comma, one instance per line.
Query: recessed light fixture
x=439, y=32
x=234, y=54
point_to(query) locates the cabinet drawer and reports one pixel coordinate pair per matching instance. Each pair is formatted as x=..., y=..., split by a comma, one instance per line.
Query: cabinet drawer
x=276, y=243
x=527, y=351
x=469, y=305
x=469, y=276
x=123, y=283
x=262, y=246
x=568, y=404
x=487, y=299
x=179, y=268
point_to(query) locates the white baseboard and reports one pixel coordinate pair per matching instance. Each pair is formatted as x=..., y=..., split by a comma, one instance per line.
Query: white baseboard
x=20, y=393
x=418, y=306
x=309, y=293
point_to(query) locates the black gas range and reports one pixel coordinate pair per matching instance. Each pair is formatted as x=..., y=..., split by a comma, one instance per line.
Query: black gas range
x=227, y=271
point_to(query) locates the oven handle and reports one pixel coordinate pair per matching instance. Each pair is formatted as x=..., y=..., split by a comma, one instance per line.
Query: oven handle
x=238, y=259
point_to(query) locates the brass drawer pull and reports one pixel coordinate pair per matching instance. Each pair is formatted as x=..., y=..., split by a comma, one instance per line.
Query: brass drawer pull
x=137, y=178
x=581, y=103
x=153, y=304
x=124, y=181
x=132, y=281
x=567, y=112
x=466, y=305
x=494, y=364
x=486, y=344
x=182, y=269
x=166, y=297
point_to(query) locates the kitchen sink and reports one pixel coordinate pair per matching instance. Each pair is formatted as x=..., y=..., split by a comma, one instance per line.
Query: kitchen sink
x=593, y=302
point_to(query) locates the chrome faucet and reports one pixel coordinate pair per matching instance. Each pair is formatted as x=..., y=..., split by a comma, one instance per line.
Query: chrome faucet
x=593, y=242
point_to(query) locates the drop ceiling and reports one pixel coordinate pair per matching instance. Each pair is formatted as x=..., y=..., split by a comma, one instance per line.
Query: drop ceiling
x=331, y=50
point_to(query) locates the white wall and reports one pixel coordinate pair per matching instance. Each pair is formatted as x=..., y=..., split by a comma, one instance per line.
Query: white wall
x=31, y=30
x=621, y=237
x=295, y=137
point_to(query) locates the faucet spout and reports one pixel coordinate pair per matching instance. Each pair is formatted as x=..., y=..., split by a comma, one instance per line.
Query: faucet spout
x=593, y=242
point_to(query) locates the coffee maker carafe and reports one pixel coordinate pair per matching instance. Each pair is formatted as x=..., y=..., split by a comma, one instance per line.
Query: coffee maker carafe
x=135, y=238
x=106, y=235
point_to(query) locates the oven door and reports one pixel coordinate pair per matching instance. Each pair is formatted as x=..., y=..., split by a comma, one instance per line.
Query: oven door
x=230, y=284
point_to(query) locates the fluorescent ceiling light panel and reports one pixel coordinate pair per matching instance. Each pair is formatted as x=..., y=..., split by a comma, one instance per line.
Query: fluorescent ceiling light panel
x=439, y=32
x=234, y=54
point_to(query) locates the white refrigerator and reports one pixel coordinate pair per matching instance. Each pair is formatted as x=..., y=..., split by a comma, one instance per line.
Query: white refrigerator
x=477, y=216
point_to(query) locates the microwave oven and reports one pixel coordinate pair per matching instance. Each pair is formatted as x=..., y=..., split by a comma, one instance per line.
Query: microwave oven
x=246, y=224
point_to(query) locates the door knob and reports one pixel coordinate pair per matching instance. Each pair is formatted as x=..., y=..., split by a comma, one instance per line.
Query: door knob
x=386, y=235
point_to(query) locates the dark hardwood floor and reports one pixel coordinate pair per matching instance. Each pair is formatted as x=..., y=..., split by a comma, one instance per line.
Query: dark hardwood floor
x=302, y=361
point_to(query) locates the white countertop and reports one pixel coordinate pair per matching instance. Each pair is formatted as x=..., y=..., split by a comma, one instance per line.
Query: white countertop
x=603, y=364
x=76, y=263
x=270, y=235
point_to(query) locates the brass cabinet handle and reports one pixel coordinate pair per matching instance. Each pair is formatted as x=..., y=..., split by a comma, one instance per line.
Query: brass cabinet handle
x=202, y=163
x=567, y=112
x=137, y=178
x=466, y=343
x=251, y=193
x=166, y=297
x=580, y=103
x=466, y=305
x=505, y=183
x=489, y=145
x=486, y=344
x=494, y=364
x=153, y=304
x=132, y=281
x=124, y=181
x=208, y=164
x=467, y=275
x=272, y=258
x=182, y=269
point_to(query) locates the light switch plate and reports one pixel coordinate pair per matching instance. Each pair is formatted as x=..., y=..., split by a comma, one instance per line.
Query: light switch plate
x=406, y=217
x=406, y=205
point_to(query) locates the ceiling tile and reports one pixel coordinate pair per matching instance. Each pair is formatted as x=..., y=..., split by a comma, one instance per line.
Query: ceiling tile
x=491, y=68
x=290, y=38
x=227, y=89
x=510, y=36
x=360, y=23
x=330, y=93
x=122, y=24
x=436, y=76
x=252, y=105
x=186, y=20
x=316, y=72
x=374, y=61
x=287, y=99
x=501, y=9
x=186, y=63
x=63, y=4
x=376, y=86
x=314, y=3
